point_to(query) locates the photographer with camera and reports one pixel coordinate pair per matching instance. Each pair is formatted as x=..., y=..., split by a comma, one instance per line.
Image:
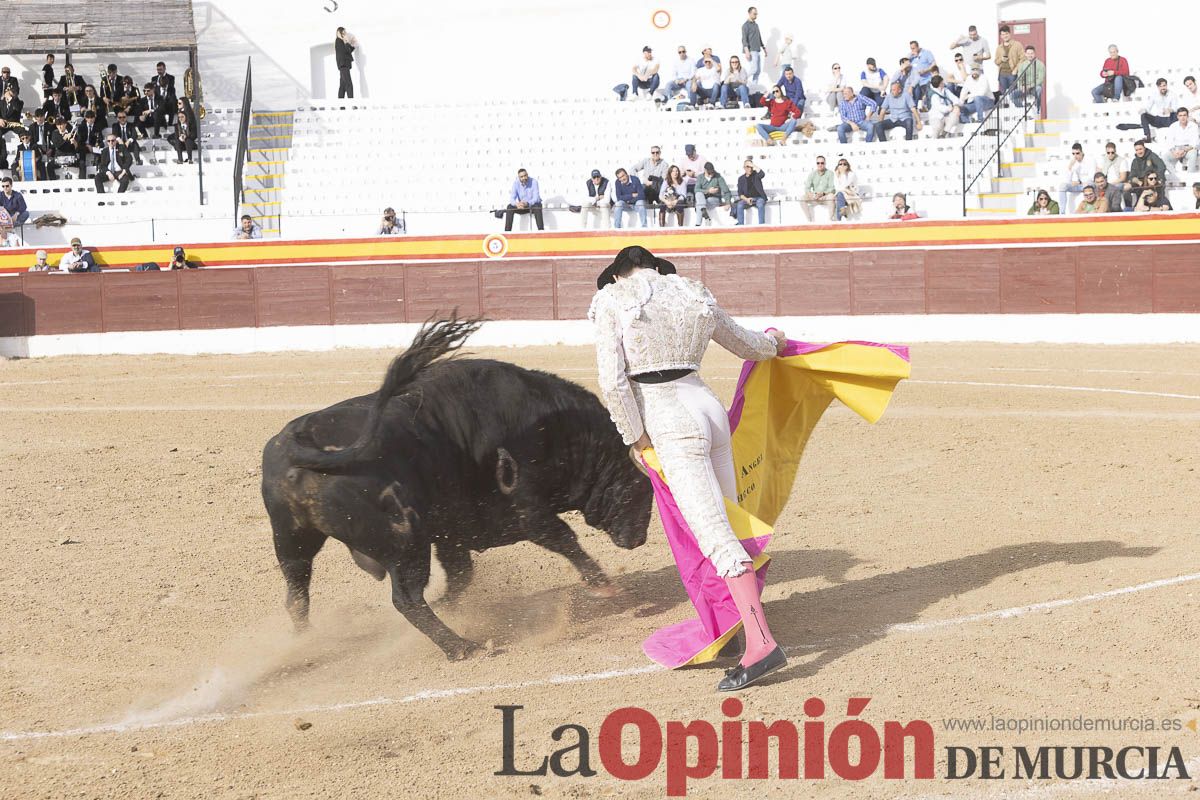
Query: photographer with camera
x=180, y=260
x=391, y=224
x=247, y=229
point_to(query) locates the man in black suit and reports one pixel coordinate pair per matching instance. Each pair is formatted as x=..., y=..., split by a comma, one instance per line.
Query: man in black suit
x=71, y=84
x=56, y=105
x=10, y=119
x=41, y=137
x=63, y=143
x=88, y=137
x=126, y=133
x=164, y=86
x=115, y=164
x=7, y=80
x=146, y=112
x=342, y=50
x=27, y=145
x=110, y=86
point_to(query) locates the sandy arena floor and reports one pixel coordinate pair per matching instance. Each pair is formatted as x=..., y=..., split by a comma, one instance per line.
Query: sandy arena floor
x=145, y=651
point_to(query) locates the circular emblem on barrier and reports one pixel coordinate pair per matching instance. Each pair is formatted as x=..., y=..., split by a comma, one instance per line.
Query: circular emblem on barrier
x=495, y=246
x=660, y=19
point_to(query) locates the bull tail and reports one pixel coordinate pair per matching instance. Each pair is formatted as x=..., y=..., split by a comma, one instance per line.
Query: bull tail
x=435, y=340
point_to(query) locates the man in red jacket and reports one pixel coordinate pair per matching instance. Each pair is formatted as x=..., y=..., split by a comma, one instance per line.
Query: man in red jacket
x=785, y=115
x=1115, y=72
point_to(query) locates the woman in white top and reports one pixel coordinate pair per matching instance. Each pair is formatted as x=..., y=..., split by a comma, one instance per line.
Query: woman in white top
x=652, y=328
x=846, y=200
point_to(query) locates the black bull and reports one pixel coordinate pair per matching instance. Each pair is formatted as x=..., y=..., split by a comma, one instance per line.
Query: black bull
x=460, y=455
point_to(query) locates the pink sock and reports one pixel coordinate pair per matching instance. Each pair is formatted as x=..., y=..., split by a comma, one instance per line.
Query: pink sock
x=759, y=641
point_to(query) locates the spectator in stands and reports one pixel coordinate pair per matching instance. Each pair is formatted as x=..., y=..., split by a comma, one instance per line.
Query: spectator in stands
x=923, y=63
x=706, y=84
x=596, y=202
x=1114, y=167
x=629, y=195
x=179, y=260
x=66, y=151
x=673, y=198
x=1075, y=174
x=10, y=120
x=788, y=55
x=818, y=189
x=524, y=198
x=88, y=137
x=1043, y=205
x=1189, y=98
x=164, y=91
x=974, y=47
x=111, y=86
x=1009, y=54
x=682, y=73
x=247, y=229
x=1158, y=112
x=736, y=80
x=692, y=166
x=784, y=116
x=1115, y=72
x=28, y=145
x=901, y=210
x=48, y=82
x=874, y=82
x=184, y=138
x=1181, y=142
x=8, y=81
x=752, y=43
x=645, y=75
x=944, y=110
x=1154, y=197
x=126, y=96
x=13, y=202
x=711, y=194
x=846, y=199
x=750, y=193
x=40, y=135
x=1091, y=203
x=1112, y=195
x=856, y=111
x=1145, y=161
x=184, y=105
x=77, y=259
x=898, y=111
x=906, y=76
x=652, y=171
x=70, y=83
x=41, y=264
x=957, y=76
x=93, y=103
x=114, y=163
x=708, y=53
x=833, y=90
x=977, y=97
x=343, y=56
x=1030, y=78
x=8, y=234
x=792, y=88
x=147, y=113
x=127, y=136
x=56, y=106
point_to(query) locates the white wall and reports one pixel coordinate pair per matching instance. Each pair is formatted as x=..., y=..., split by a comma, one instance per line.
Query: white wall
x=427, y=52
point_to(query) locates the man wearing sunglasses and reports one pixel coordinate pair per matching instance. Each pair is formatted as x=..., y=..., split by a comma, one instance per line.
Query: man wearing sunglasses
x=113, y=163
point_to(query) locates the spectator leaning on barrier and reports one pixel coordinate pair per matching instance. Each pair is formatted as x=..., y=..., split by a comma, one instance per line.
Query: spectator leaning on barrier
x=819, y=189
x=750, y=193
x=1115, y=72
x=629, y=195
x=13, y=202
x=874, y=82
x=711, y=193
x=856, y=111
x=1113, y=200
x=41, y=264
x=784, y=116
x=1091, y=202
x=246, y=229
x=77, y=259
x=390, y=225
x=1043, y=205
x=524, y=198
x=1181, y=141
x=1154, y=196
x=901, y=210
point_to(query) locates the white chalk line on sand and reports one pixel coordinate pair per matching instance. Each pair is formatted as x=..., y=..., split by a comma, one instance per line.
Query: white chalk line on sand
x=1061, y=388
x=131, y=726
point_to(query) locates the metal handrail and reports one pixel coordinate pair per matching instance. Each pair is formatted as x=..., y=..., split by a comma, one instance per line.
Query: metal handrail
x=998, y=126
x=243, y=143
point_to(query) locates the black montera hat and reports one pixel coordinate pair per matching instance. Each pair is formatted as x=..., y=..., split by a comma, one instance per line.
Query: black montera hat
x=633, y=256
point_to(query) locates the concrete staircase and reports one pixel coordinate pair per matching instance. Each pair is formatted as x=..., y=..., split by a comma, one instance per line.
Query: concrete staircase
x=269, y=141
x=1009, y=194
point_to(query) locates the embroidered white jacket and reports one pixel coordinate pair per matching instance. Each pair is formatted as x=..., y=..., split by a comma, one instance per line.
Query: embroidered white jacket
x=649, y=322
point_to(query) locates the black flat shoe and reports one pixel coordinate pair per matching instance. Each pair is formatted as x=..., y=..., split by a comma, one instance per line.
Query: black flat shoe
x=740, y=677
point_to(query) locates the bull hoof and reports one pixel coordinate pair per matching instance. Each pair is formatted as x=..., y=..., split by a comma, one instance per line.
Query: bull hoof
x=603, y=589
x=463, y=650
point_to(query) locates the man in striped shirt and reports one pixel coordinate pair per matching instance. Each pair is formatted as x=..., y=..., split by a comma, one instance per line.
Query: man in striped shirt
x=856, y=111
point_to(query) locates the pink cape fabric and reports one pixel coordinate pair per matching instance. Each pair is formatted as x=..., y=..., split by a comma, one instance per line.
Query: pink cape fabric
x=695, y=640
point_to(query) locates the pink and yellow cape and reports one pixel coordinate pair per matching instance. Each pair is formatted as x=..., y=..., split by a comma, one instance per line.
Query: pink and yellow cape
x=775, y=407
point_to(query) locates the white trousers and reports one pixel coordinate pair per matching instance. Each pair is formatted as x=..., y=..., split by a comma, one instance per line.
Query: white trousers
x=690, y=431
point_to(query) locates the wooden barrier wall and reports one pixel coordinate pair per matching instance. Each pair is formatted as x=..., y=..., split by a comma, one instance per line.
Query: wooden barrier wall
x=1067, y=279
